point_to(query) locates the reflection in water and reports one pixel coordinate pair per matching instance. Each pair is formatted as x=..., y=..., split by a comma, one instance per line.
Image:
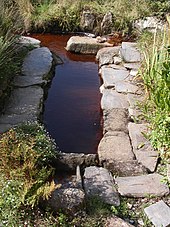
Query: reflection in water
x=72, y=110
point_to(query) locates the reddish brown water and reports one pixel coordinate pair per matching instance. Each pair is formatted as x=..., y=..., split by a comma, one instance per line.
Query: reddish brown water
x=72, y=110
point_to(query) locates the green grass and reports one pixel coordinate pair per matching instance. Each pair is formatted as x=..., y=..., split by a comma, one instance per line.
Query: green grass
x=156, y=77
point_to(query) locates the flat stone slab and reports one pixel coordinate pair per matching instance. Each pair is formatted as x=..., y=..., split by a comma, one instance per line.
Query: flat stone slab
x=115, y=147
x=115, y=120
x=85, y=45
x=124, y=169
x=130, y=53
x=116, y=222
x=26, y=81
x=27, y=41
x=126, y=87
x=134, y=66
x=113, y=100
x=38, y=62
x=110, y=76
x=159, y=214
x=142, y=186
x=142, y=148
x=99, y=182
x=106, y=55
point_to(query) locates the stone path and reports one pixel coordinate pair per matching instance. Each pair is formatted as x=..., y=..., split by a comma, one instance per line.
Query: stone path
x=26, y=100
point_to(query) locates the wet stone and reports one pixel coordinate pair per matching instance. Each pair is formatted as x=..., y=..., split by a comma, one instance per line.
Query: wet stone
x=142, y=186
x=99, y=182
x=29, y=41
x=26, y=81
x=142, y=148
x=159, y=214
x=113, y=100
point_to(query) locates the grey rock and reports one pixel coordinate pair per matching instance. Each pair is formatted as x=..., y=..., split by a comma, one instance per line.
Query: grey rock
x=114, y=66
x=85, y=45
x=110, y=76
x=142, y=149
x=69, y=200
x=25, y=100
x=134, y=100
x=87, y=21
x=106, y=55
x=129, y=52
x=133, y=72
x=134, y=66
x=70, y=161
x=5, y=127
x=106, y=24
x=168, y=172
x=126, y=87
x=149, y=23
x=26, y=81
x=116, y=222
x=115, y=147
x=38, y=62
x=115, y=120
x=159, y=214
x=111, y=100
x=28, y=41
x=99, y=182
x=125, y=168
x=142, y=186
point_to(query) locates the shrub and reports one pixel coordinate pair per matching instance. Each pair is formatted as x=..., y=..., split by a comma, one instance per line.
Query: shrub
x=26, y=153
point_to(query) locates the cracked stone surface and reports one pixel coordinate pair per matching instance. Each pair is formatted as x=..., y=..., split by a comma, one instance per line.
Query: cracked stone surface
x=99, y=182
x=142, y=186
x=142, y=148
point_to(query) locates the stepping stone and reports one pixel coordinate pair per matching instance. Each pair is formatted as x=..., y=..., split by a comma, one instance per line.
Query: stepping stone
x=37, y=63
x=142, y=148
x=110, y=76
x=116, y=222
x=142, y=186
x=130, y=53
x=125, y=169
x=26, y=81
x=85, y=45
x=115, y=120
x=126, y=87
x=29, y=41
x=115, y=147
x=99, y=182
x=107, y=55
x=159, y=214
x=113, y=100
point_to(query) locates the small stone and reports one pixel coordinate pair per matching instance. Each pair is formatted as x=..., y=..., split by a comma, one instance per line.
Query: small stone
x=159, y=214
x=140, y=222
x=133, y=72
x=29, y=41
x=113, y=100
x=99, y=182
x=132, y=65
x=142, y=186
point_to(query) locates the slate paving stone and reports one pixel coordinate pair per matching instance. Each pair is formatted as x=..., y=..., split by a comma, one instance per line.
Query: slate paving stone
x=99, y=182
x=142, y=186
x=159, y=214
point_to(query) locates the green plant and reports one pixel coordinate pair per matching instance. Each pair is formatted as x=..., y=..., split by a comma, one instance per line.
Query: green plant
x=26, y=155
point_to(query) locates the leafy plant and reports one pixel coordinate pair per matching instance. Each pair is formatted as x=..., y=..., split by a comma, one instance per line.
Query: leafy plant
x=26, y=155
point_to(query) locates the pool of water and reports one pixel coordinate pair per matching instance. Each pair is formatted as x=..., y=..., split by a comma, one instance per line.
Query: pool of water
x=72, y=113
